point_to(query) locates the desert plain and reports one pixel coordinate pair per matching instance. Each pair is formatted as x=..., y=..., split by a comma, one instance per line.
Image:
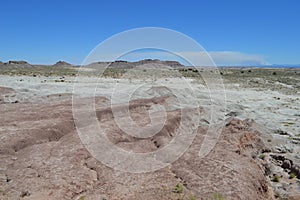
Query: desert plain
x=256, y=155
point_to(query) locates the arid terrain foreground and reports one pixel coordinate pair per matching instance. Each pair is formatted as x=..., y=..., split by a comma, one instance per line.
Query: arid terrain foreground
x=256, y=156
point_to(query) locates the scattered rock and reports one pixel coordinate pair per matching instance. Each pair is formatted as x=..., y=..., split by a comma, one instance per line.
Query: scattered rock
x=287, y=164
x=268, y=169
x=283, y=149
x=281, y=132
x=278, y=157
x=232, y=114
x=266, y=150
x=296, y=170
x=24, y=194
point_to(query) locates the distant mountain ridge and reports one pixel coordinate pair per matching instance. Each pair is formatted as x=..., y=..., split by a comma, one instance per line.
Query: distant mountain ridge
x=127, y=64
x=115, y=64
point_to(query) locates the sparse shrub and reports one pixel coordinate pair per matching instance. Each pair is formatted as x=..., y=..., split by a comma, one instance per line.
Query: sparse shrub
x=274, y=73
x=262, y=156
x=218, y=196
x=178, y=188
x=277, y=195
x=192, y=198
x=275, y=178
x=242, y=72
x=81, y=197
x=292, y=175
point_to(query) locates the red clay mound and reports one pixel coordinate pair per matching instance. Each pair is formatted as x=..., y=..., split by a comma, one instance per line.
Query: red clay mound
x=43, y=158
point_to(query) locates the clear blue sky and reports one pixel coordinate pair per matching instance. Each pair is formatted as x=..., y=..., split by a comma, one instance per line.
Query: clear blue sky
x=47, y=31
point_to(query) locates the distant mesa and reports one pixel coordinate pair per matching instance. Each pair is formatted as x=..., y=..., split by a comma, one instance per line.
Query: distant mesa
x=156, y=61
x=126, y=64
x=14, y=63
x=152, y=63
x=21, y=62
x=121, y=61
x=62, y=63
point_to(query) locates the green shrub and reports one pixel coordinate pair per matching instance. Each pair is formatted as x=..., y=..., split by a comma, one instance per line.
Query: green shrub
x=275, y=178
x=82, y=198
x=292, y=175
x=178, y=188
x=192, y=198
x=218, y=196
